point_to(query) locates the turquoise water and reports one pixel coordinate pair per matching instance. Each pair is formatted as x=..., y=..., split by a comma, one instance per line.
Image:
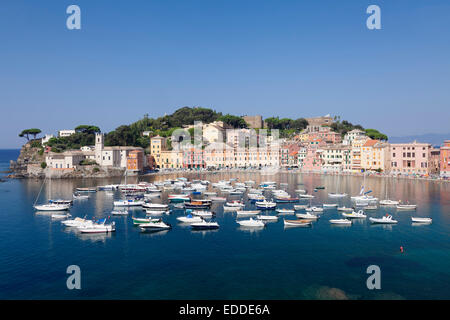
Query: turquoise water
x=323, y=261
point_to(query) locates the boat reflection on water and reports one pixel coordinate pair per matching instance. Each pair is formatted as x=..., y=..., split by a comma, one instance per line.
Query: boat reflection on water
x=94, y=237
x=286, y=227
x=382, y=226
x=250, y=229
x=204, y=232
x=154, y=232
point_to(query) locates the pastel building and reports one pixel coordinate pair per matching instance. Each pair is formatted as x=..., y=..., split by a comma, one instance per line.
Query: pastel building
x=411, y=158
x=375, y=156
x=335, y=158
x=445, y=160
x=157, y=145
x=356, y=153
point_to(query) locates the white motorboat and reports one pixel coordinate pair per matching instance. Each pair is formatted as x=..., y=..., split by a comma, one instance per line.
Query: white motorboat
x=285, y=211
x=307, y=216
x=298, y=207
x=137, y=221
x=235, y=204
x=52, y=207
x=128, y=203
x=230, y=209
x=99, y=227
x=202, y=214
x=155, y=206
x=256, y=197
x=210, y=194
x=344, y=208
x=267, y=218
x=190, y=219
x=155, y=225
x=156, y=212
x=248, y=212
x=387, y=219
x=314, y=209
x=388, y=202
x=80, y=196
x=421, y=220
x=205, y=225
x=77, y=222
x=251, y=223
x=406, y=207
x=359, y=214
x=306, y=196
x=218, y=199
x=300, y=191
x=119, y=212
x=265, y=204
x=337, y=195
x=329, y=205
x=297, y=223
x=341, y=221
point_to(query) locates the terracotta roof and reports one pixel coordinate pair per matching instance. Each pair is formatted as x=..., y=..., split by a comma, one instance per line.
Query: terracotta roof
x=370, y=143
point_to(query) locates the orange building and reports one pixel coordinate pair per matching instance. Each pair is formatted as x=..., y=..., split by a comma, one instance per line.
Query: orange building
x=445, y=159
x=135, y=160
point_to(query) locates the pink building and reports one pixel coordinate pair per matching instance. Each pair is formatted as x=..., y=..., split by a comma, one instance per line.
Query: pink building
x=445, y=159
x=312, y=161
x=411, y=158
x=193, y=158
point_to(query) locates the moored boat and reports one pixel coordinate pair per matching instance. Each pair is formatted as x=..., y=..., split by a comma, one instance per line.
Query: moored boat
x=297, y=223
x=387, y=219
x=341, y=221
x=421, y=220
x=251, y=223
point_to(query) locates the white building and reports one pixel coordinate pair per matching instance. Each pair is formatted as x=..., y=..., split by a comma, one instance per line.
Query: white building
x=353, y=135
x=65, y=133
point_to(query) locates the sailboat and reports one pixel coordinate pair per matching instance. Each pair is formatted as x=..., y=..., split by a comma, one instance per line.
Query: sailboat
x=337, y=194
x=388, y=202
x=50, y=206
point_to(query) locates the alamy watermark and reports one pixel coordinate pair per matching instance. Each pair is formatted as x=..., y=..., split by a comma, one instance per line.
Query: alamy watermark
x=374, y=280
x=74, y=280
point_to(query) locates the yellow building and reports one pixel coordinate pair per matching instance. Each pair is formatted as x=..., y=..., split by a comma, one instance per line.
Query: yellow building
x=356, y=153
x=375, y=156
x=157, y=145
x=171, y=159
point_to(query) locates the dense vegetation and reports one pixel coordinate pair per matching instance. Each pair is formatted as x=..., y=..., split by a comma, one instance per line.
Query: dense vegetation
x=132, y=135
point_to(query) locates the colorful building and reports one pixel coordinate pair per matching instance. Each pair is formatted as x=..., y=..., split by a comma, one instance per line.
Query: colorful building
x=411, y=158
x=375, y=156
x=135, y=161
x=445, y=159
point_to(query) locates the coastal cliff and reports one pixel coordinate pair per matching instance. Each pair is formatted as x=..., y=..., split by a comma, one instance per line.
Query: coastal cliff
x=28, y=165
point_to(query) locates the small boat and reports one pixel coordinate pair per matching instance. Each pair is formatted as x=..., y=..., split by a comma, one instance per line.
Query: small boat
x=267, y=218
x=406, y=207
x=119, y=212
x=421, y=220
x=98, y=227
x=307, y=216
x=388, y=202
x=155, y=206
x=128, y=203
x=285, y=211
x=178, y=197
x=300, y=191
x=76, y=222
x=329, y=205
x=306, y=196
x=341, y=221
x=150, y=212
x=285, y=199
x=204, y=225
x=52, y=207
x=227, y=208
x=60, y=201
x=345, y=209
x=210, y=193
x=80, y=196
x=202, y=214
x=314, y=209
x=248, y=212
x=337, y=195
x=298, y=222
x=251, y=223
x=359, y=214
x=265, y=204
x=218, y=199
x=159, y=224
x=370, y=207
x=298, y=207
x=387, y=219
x=86, y=189
x=320, y=188
x=198, y=204
x=235, y=204
x=190, y=219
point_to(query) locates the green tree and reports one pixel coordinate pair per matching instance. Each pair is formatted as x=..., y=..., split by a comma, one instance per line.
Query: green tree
x=27, y=132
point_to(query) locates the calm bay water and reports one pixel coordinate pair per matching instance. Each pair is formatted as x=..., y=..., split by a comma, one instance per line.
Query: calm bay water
x=323, y=261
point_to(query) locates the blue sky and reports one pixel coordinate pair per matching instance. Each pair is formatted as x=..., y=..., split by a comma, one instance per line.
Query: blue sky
x=286, y=58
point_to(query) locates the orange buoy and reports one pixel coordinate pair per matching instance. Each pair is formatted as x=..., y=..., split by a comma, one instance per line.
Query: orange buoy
x=401, y=249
